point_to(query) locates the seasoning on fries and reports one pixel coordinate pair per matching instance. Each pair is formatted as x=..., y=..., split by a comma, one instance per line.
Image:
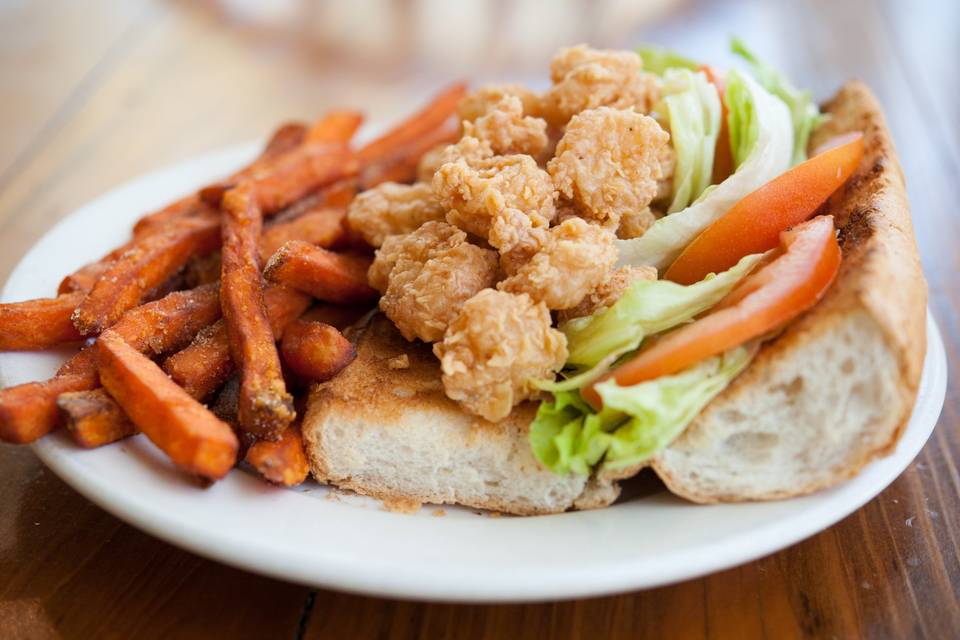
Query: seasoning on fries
x=205, y=365
x=329, y=276
x=184, y=429
x=265, y=406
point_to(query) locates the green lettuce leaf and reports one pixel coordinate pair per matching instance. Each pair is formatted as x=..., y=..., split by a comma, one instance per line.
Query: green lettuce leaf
x=692, y=106
x=803, y=112
x=769, y=155
x=647, y=307
x=661, y=409
x=657, y=60
x=742, y=123
x=567, y=436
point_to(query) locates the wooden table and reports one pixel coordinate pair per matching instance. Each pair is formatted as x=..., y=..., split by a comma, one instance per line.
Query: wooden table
x=95, y=93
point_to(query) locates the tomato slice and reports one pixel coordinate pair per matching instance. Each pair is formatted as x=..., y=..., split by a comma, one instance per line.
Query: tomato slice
x=753, y=225
x=722, y=157
x=782, y=289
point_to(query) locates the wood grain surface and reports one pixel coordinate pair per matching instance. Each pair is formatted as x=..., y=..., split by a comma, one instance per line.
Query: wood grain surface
x=95, y=93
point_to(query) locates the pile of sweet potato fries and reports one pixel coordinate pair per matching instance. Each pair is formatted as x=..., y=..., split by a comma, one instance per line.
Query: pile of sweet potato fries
x=191, y=309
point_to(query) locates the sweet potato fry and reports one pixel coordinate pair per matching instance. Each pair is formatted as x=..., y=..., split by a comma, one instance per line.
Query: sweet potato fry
x=29, y=411
x=93, y=418
x=265, y=406
x=184, y=429
x=299, y=169
x=282, y=462
x=38, y=324
x=321, y=227
x=400, y=165
x=287, y=136
x=339, y=194
x=335, y=127
x=329, y=276
x=142, y=269
x=301, y=172
x=205, y=365
x=315, y=351
x=184, y=207
x=428, y=119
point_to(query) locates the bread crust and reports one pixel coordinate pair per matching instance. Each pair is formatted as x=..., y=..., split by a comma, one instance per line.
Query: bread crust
x=388, y=408
x=880, y=291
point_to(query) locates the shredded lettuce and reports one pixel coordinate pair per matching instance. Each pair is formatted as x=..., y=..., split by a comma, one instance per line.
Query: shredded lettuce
x=657, y=60
x=647, y=307
x=692, y=106
x=769, y=155
x=567, y=436
x=803, y=112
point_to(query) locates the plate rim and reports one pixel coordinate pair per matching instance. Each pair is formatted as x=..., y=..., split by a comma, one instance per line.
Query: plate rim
x=326, y=570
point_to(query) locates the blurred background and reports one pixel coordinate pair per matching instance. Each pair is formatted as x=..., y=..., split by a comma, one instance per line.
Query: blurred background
x=94, y=93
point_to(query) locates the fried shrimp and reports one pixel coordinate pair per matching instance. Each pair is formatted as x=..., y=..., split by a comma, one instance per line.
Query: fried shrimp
x=507, y=187
x=575, y=259
x=608, y=163
x=469, y=149
x=608, y=292
x=495, y=348
x=390, y=208
x=585, y=78
x=430, y=274
x=509, y=131
x=480, y=102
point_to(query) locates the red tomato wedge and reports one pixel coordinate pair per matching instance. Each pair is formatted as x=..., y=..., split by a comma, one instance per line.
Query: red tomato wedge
x=782, y=289
x=722, y=157
x=754, y=224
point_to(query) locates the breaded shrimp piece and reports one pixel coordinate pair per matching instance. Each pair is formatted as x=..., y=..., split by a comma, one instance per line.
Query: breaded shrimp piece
x=435, y=271
x=495, y=348
x=608, y=163
x=576, y=257
x=608, y=291
x=634, y=224
x=585, y=78
x=506, y=187
x=480, y=102
x=413, y=246
x=469, y=149
x=509, y=131
x=390, y=209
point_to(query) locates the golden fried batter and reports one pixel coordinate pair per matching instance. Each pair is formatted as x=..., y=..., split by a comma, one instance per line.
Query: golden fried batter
x=575, y=258
x=494, y=348
x=434, y=271
x=509, y=131
x=480, y=102
x=390, y=208
x=585, y=78
x=608, y=163
x=507, y=187
x=469, y=149
x=634, y=224
x=608, y=292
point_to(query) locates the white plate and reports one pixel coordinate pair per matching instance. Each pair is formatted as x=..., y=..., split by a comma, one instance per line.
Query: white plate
x=328, y=539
